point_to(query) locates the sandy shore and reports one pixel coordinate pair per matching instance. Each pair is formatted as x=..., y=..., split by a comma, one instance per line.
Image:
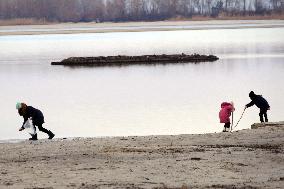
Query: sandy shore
x=74, y=28
x=244, y=159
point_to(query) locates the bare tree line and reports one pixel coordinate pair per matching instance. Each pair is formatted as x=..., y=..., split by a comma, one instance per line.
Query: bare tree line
x=132, y=10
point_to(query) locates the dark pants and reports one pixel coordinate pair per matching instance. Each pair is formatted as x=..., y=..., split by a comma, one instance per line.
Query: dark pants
x=39, y=125
x=227, y=125
x=263, y=112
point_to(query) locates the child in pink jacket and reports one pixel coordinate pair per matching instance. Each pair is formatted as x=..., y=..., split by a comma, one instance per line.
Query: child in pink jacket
x=225, y=113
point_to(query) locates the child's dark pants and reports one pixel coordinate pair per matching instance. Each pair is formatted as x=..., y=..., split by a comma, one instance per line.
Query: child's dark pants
x=39, y=125
x=43, y=129
x=263, y=112
x=227, y=125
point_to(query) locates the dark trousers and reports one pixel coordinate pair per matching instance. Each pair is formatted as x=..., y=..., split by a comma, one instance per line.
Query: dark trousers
x=263, y=112
x=41, y=128
x=227, y=125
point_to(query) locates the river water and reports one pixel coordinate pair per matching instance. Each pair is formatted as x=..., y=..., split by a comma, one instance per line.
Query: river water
x=140, y=100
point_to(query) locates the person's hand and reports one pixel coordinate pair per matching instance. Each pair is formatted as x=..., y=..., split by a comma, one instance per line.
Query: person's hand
x=268, y=108
x=22, y=128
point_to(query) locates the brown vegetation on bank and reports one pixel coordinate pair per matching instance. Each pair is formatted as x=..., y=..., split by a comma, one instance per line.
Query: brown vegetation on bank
x=32, y=21
x=24, y=21
x=235, y=17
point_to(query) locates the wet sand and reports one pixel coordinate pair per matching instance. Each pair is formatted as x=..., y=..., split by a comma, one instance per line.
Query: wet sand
x=244, y=159
x=74, y=28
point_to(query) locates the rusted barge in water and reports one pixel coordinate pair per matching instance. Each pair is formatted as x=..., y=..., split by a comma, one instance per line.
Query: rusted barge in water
x=132, y=60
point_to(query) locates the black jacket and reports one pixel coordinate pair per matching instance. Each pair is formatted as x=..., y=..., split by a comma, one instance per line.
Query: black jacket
x=260, y=102
x=35, y=114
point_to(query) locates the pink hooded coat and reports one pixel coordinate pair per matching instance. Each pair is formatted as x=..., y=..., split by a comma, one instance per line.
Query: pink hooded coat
x=225, y=112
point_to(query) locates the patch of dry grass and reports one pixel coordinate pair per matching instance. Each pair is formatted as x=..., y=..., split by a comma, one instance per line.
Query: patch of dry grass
x=226, y=17
x=24, y=21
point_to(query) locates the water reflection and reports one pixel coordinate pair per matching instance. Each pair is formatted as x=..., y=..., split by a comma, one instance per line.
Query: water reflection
x=220, y=42
x=140, y=100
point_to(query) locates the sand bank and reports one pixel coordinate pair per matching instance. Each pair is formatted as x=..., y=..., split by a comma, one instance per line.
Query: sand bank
x=135, y=60
x=74, y=28
x=244, y=159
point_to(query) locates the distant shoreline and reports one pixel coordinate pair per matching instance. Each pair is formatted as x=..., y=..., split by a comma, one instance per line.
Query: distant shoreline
x=32, y=21
x=77, y=28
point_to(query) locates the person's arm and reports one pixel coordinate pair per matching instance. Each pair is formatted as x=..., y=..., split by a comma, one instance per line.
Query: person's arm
x=22, y=127
x=250, y=104
x=231, y=108
x=25, y=120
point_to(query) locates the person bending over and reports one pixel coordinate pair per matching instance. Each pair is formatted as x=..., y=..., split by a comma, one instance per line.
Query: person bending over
x=36, y=116
x=261, y=103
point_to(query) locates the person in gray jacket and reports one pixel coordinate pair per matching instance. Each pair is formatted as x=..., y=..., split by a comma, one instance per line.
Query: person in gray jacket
x=261, y=103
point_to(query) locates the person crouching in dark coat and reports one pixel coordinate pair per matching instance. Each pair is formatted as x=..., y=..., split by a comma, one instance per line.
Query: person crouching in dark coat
x=36, y=116
x=261, y=103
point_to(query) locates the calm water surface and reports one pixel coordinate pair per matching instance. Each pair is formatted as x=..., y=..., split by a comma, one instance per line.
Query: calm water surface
x=140, y=100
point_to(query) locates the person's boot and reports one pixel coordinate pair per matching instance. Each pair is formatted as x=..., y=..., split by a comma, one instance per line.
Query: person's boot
x=34, y=137
x=50, y=135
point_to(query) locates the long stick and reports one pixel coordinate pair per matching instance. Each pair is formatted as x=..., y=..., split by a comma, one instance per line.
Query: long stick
x=239, y=119
x=232, y=122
